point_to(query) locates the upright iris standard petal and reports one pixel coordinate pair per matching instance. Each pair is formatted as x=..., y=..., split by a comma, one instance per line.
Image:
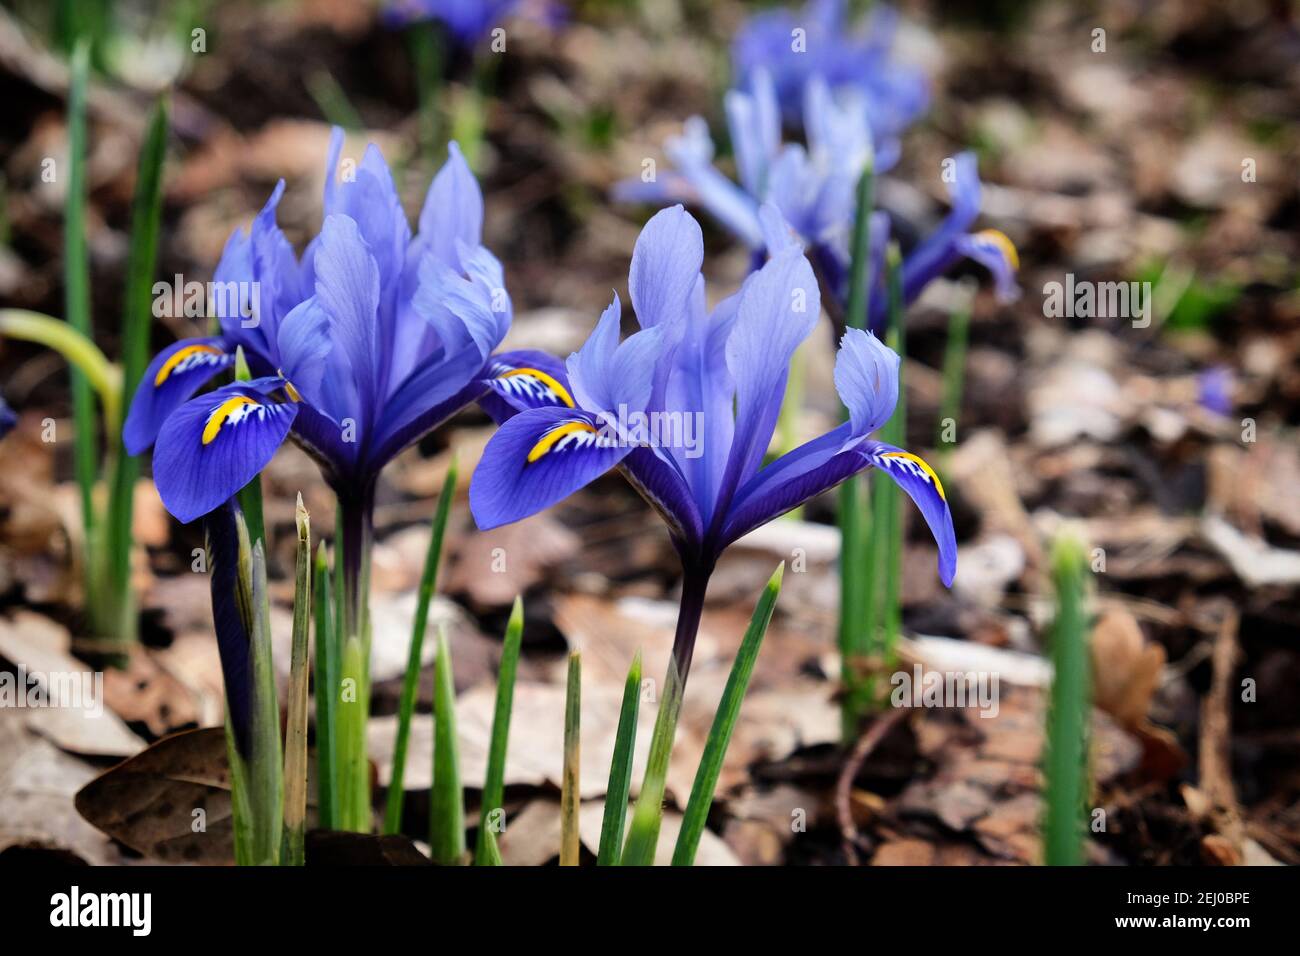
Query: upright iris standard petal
x=778, y=309
x=610, y=377
x=922, y=485
x=175, y=373
x=215, y=444
x=866, y=378
x=538, y=458
x=453, y=209
x=347, y=288
x=665, y=264
x=302, y=347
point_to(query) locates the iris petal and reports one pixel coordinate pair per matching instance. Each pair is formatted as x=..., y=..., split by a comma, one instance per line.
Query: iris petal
x=922, y=485
x=536, y=459
x=175, y=373
x=213, y=445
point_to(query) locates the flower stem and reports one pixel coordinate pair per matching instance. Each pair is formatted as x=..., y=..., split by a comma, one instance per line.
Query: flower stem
x=356, y=531
x=643, y=832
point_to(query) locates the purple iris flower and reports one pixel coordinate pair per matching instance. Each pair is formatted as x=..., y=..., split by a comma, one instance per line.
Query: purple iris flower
x=818, y=41
x=815, y=190
x=1214, y=389
x=364, y=345
x=813, y=187
x=686, y=407
x=467, y=20
x=8, y=418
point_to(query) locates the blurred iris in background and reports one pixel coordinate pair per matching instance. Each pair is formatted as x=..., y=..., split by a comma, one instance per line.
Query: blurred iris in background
x=857, y=62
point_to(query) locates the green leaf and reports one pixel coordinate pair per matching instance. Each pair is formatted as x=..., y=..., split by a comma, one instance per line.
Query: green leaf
x=620, y=769
x=643, y=831
x=76, y=291
x=494, y=785
x=854, y=630
x=860, y=251
x=327, y=684
x=1065, y=764
x=146, y=214
x=724, y=722
x=491, y=852
x=295, y=735
x=569, y=784
x=264, y=772
x=411, y=680
x=446, y=801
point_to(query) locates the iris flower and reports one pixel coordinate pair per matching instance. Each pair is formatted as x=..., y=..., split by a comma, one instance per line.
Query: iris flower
x=467, y=20
x=815, y=190
x=813, y=187
x=850, y=59
x=365, y=344
x=720, y=376
x=8, y=418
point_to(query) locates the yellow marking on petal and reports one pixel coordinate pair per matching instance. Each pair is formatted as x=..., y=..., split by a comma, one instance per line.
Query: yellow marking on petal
x=180, y=356
x=547, y=441
x=221, y=413
x=938, y=485
x=545, y=379
x=293, y=393
x=1000, y=239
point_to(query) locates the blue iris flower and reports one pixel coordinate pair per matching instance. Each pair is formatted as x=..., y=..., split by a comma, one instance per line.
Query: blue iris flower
x=467, y=20
x=857, y=60
x=686, y=407
x=369, y=341
x=815, y=190
x=8, y=418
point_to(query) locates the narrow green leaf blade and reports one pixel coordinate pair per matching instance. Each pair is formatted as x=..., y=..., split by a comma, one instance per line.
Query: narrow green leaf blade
x=647, y=814
x=491, y=851
x=446, y=802
x=620, y=769
x=146, y=216
x=295, y=736
x=724, y=722
x=494, y=783
x=569, y=795
x=1065, y=764
x=76, y=291
x=411, y=680
x=326, y=682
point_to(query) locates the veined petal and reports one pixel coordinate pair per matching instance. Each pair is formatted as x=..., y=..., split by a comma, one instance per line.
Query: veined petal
x=175, y=373
x=419, y=404
x=866, y=378
x=453, y=209
x=213, y=445
x=659, y=482
x=347, y=288
x=522, y=380
x=665, y=264
x=607, y=375
x=303, y=345
x=922, y=485
x=536, y=459
x=779, y=306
